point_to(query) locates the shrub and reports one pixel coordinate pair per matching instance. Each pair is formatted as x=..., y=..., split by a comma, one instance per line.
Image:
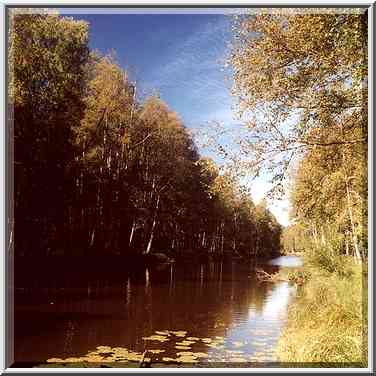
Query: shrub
x=326, y=260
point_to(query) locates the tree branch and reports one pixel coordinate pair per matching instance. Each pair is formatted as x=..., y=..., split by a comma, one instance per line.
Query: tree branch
x=361, y=140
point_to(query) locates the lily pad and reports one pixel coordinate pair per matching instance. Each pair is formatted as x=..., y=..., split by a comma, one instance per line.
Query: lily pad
x=201, y=355
x=184, y=343
x=94, y=358
x=72, y=360
x=103, y=348
x=180, y=333
x=167, y=359
x=134, y=356
x=156, y=338
x=186, y=359
x=156, y=351
x=119, y=349
x=162, y=333
x=54, y=360
x=183, y=347
x=108, y=360
x=185, y=353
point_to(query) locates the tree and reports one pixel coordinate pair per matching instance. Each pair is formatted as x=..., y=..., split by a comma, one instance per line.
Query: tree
x=97, y=172
x=301, y=80
x=292, y=238
x=48, y=54
x=298, y=73
x=329, y=198
x=101, y=141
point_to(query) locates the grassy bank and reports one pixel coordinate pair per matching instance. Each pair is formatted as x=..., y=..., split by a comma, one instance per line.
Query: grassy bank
x=327, y=322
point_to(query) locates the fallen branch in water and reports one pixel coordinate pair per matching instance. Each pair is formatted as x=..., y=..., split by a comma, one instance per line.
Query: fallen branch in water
x=299, y=278
x=263, y=276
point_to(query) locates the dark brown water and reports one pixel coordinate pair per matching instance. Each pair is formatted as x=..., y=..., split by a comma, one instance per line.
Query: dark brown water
x=222, y=303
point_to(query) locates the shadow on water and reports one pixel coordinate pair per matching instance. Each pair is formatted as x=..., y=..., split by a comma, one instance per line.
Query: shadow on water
x=70, y=315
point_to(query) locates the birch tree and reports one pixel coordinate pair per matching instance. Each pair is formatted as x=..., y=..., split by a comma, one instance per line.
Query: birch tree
x=298, y=73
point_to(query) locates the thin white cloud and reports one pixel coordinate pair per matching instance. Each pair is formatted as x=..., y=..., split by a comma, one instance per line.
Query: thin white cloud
x=189, y=63
x=222, y=114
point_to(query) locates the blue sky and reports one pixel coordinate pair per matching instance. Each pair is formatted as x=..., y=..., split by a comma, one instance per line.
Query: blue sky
x=182, y=57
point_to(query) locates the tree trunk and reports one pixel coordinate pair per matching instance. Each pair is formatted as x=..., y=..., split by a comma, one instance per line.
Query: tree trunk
x=92, y=237
x=132, y=232
x=354, y=238
x=323, y=240
x=153, y=227
x=314, y=233
x=358, y=256
x=346, y=244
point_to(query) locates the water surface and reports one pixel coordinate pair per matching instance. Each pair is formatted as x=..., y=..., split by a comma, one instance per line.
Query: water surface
x=230, y=315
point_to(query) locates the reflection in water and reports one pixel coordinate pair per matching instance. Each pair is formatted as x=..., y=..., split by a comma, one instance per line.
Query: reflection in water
x=287, y=261
x=239, y=317
x=129, y=292
x=69, y=334
x=257, y=335
x=220, y=279
x=201, y=276
x=147, y=280
x=171, y=279
x=276, y=302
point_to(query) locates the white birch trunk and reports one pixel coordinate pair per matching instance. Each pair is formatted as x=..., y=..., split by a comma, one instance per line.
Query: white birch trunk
x=153, y=227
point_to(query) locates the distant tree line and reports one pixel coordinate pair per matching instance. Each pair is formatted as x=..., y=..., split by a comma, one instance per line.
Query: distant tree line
x=98, y=172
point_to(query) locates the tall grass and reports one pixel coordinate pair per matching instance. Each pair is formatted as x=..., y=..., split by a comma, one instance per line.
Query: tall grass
x=327, y=321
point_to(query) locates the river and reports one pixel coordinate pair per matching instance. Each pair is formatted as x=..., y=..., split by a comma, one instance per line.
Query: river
x=218, y=310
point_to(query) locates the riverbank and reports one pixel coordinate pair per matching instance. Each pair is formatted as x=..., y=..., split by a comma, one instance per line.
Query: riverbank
x=327, y=322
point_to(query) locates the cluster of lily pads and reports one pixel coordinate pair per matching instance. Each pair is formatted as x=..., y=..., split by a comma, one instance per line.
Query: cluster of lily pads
x=221, y=354
x=167, y=335
x=103, y=354
x=107, y=354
